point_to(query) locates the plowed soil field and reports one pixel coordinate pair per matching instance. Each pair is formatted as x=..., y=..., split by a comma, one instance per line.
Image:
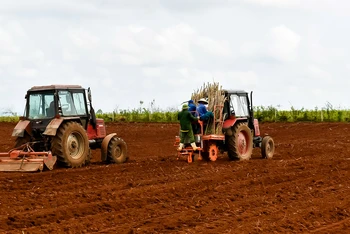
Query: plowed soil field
x=304, y=188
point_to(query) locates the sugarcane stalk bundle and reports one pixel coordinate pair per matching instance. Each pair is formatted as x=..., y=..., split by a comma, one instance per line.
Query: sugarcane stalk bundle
x=215, y=96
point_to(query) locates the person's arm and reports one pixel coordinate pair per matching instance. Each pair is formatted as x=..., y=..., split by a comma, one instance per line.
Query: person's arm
x=193, y=118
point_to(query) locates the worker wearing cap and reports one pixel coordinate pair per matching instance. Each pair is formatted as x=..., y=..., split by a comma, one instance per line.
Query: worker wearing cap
x=204, y=114
x=186, y=118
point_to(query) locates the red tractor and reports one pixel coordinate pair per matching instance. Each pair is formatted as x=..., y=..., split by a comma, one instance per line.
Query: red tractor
x=233, y=129
x=60, y=125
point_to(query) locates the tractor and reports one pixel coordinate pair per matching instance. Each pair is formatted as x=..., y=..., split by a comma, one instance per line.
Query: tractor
x=60, y=125
x=233, y=130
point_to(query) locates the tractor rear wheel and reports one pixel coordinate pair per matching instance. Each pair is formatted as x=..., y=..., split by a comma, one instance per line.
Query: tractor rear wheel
x=71, y=145
x=240, y=144
x=117, y=150
x=267, y=147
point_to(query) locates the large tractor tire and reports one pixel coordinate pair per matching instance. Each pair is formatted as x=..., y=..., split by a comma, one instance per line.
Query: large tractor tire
x=117, y=150
x=71, y=145
x=267, y=147
x=240, y=144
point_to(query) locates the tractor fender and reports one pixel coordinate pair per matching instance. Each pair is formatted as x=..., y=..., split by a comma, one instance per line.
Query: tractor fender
x=229, y=123
x=21, y=127
x=52, y=127
x=104, y=146
x=256, y=127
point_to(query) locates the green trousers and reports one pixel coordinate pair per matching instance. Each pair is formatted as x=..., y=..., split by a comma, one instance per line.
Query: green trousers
x=188, y=134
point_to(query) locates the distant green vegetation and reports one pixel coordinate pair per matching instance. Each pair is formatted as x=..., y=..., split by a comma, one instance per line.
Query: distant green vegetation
x=263, y=114
x=9, y=119
x=272, y=114
x=139, y=115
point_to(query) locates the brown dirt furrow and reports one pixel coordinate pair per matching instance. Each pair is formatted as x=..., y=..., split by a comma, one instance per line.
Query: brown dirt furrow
x=304, y=188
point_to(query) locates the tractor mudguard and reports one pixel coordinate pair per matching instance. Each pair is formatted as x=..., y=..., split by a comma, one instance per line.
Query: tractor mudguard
x=104, y=146
x=256, y=127
x=227, y=126
x=21, y=127
x=229, y=123
x=52, y=127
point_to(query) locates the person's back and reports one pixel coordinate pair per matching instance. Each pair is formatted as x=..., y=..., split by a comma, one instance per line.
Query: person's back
x=192, y=108
x=186, y=118
x=202, y=109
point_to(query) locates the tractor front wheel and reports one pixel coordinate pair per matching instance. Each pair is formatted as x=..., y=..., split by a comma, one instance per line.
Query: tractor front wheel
x=117, y=150
x=267, y=147
x=240, y=144
x=71, y=145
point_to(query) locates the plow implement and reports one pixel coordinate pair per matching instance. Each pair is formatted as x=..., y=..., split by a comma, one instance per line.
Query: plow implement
x=25, y=159
x=189, y=154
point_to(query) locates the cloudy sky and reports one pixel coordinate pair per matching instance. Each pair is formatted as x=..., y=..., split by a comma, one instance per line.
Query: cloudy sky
x=288, y=52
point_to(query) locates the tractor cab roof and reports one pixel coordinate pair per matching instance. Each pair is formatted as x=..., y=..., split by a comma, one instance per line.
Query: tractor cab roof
x=235, y=91
x=54, y=87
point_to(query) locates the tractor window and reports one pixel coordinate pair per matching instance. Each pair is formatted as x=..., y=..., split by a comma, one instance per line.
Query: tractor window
x=71, y=103
x=240, y=105
x=79, y=103
x=39, y=106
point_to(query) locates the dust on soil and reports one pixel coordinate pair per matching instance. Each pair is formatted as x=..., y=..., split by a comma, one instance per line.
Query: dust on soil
x=304, y=188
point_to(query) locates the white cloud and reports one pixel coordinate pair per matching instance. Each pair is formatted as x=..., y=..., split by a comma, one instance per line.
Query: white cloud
x=153, y=72
x=219, y=48
x=7, y=42
x=318, y=73
x=142, y=46
x=228, y=79
x=27, y=73
x=250, y=48
x=246, y=79
x=317, y=92
x=284, y=43
x=276, y=3
x=280, y=43
x=6, y=59
x=293, y=89
x=83, y=39
x=69, y=56
x=280, y=49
